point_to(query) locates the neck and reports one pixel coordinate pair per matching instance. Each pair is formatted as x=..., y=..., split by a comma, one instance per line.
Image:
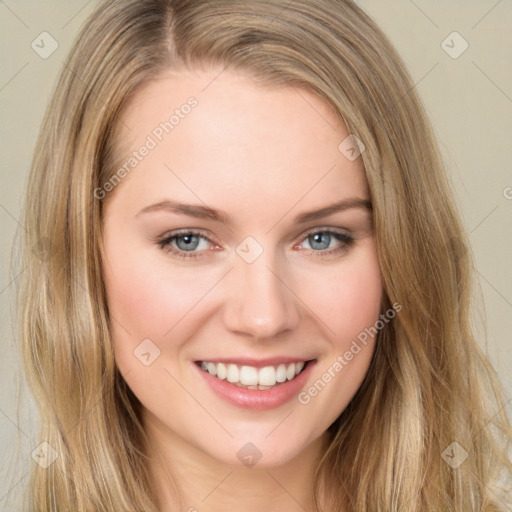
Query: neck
x=187, y=479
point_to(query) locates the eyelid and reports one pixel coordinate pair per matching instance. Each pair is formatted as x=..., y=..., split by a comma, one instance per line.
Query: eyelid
x=205, y=234
x=346, y=239
x=189, y=231
x=324, y=229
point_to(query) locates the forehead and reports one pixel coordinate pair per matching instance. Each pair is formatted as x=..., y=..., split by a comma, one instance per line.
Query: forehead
x=217, y=132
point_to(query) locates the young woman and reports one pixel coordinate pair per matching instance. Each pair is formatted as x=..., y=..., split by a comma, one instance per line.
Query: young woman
x=253, y=289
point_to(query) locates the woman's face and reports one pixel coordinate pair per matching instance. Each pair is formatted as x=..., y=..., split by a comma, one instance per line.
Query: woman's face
x=224, y=246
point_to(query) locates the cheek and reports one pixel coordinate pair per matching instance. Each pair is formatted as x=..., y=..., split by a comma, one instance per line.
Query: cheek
x=140, y=297
x=349, y=307
x=350, y=300
x=147, y=300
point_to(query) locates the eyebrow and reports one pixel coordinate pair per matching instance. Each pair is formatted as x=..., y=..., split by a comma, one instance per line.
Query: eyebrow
x=205, y=212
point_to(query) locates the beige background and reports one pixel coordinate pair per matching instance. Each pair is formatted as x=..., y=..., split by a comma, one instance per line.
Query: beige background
x=469, y=100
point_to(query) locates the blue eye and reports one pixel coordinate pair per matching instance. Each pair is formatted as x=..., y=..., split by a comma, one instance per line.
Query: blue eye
x=320, y=242
x=186, y=244
x=190, y=242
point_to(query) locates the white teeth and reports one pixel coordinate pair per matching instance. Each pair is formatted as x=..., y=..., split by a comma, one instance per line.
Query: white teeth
x=260, y=387
x=281, y=373
x=267, y=376
x=248, y=376
x=222, y=371
x=251, y=377
x=233, y=374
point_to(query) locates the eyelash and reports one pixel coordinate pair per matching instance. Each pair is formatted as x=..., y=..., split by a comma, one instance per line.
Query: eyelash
x=165, y=243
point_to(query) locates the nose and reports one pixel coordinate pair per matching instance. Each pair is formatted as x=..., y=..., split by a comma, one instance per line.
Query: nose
x=260, y=304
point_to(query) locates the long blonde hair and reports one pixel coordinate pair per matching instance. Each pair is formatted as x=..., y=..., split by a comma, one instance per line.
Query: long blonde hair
x=428, y=386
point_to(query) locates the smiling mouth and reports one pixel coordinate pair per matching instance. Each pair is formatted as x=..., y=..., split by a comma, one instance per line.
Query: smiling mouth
x=250, y=377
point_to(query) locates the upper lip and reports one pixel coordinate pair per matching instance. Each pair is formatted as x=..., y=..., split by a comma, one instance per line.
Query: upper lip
x=257, y=363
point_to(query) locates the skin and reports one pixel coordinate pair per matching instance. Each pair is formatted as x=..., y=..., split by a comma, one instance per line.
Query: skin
x=263, y=155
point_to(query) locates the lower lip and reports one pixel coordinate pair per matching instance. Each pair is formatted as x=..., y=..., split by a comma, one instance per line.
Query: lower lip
x=256, y=399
